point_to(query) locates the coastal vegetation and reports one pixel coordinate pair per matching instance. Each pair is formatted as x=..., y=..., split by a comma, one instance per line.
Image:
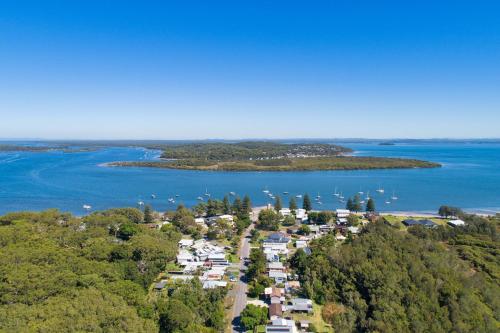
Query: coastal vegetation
x=424, y=280
x=61, y=273
x=268, y=156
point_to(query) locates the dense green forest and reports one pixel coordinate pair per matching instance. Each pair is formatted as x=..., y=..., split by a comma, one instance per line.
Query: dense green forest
x=248, y=150
x=60, y=273
x=440, y=280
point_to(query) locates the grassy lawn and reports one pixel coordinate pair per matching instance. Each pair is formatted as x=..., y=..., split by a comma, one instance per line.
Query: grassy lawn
x=395, y=221
x=260, y=329
x=233, y=258
x=314, y=319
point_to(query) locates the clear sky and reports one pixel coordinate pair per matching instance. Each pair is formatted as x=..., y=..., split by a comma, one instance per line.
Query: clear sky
x=249, y=69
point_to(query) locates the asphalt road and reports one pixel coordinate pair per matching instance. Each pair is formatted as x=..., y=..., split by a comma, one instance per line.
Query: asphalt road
x=241, y=287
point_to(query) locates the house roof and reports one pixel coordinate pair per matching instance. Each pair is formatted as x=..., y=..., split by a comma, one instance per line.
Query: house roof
x=275, y=310
x=276, y=292
x=297, y=301
x=456, y=223
x=160, y=285
x=274, y=274
x=275, y=265
x=277, y=237
x=425, y=223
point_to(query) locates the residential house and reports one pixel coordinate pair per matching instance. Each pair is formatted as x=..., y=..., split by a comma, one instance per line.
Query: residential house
x=285, y=212
x=342, y=213
x=456, y=223
x=210, y=284
x=185, y=243
x=300, y=244
x=277, y=237
x=425, y=223
x=280, y=325
x=276, y=294
x=279, y=277
x=301, y=215
x=272, y=256
x=275, y=248
x=184, y=257
x=301, y=305
x=292, y=286
x=275, y=266
x=211, y=220
x=218, y=259
x=160, y=285
x=341, y=221
x=275, y=311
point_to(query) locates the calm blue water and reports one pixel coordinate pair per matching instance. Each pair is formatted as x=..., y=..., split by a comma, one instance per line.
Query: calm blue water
x=470, y=178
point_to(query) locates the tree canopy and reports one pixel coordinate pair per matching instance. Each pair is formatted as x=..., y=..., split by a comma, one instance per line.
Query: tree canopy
x=385, y=280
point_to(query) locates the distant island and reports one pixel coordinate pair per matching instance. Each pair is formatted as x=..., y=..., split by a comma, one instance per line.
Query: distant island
x=43, y=149
x=269, y=156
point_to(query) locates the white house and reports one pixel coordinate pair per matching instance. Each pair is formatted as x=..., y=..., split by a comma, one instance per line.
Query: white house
x=342, y=213
x=275, y=248
x=214, y=284
x=184, y=257
x=301, y=215
x=279, y=277
x=342, y=221
x=285, y=212
x=185, y=243
x=300, y=244
x=456, y=223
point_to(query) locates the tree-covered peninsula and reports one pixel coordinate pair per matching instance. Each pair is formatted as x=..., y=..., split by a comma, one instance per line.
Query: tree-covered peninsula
x=269, y=156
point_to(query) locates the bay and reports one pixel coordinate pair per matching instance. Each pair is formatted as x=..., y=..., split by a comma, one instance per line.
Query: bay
x=469, y=178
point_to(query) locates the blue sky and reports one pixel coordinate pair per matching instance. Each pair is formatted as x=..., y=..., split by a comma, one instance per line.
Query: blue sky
x=249, y=69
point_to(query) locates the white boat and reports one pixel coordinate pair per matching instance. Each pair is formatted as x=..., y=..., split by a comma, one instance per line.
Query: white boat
x=367, y=196
x=387, y=202
x=336, y=193
x=298, y=196
x=232, y=193
x=200, y=198
x=177, y=195
x=320, y=203
x=380, y=190
x=394, y=197
x=140, y=203
x=341, y=196
x=362, y=202
x=153, y=196
x=206, y=193
x=87, y=207
x=171, y=200
x=285, y=193
x=265, y=190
